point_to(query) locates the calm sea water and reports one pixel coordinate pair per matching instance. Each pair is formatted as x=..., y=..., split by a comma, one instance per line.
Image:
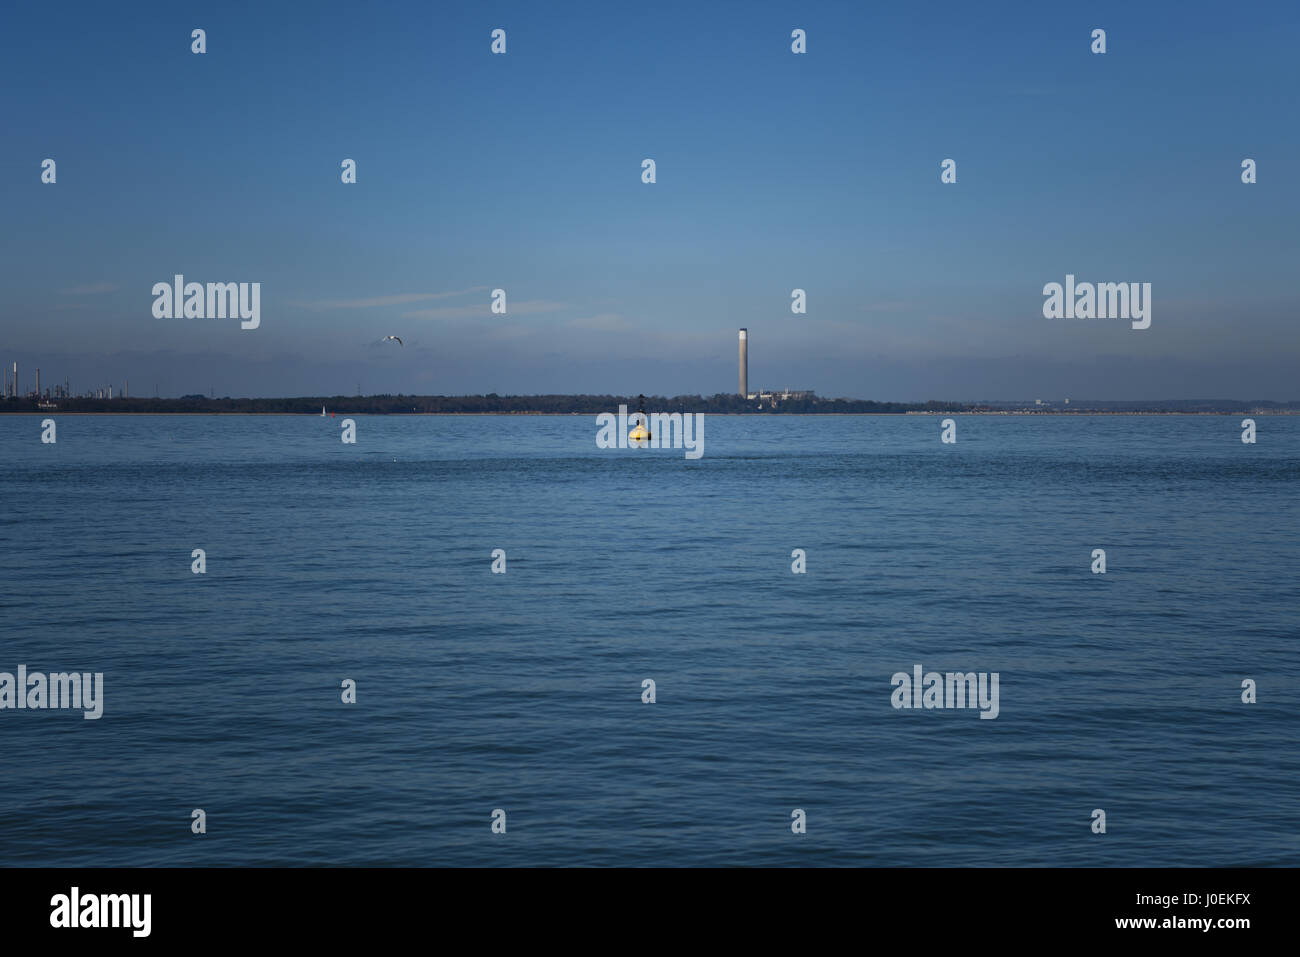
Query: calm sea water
x=522, y=691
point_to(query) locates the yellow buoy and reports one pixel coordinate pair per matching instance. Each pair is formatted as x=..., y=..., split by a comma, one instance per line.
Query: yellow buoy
x=639, y=433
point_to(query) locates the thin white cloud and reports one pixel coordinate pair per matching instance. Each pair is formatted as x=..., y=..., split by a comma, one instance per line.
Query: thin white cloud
x=395, y=300
x=528, y=307
x=888, y=306
x=89, y=289
x=604, y=322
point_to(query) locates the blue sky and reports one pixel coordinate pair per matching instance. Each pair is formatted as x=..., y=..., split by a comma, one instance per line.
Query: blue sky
x=775, y=171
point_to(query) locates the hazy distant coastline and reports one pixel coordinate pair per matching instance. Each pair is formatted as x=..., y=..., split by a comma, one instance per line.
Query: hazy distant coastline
x=722, y=404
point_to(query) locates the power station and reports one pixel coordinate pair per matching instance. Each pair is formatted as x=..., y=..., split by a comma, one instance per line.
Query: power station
x=772, y=398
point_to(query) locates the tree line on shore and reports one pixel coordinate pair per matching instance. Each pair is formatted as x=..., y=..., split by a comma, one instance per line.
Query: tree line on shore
x=720, y=404
x=482, y=404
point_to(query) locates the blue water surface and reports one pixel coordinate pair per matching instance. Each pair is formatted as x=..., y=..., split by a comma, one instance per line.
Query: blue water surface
x=522, y=691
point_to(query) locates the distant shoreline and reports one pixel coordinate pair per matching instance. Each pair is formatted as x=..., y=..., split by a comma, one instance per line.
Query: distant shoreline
x=557, y=415
x=764, y=404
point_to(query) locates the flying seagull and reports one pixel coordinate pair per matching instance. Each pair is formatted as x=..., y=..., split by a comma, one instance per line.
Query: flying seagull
x=394, y=338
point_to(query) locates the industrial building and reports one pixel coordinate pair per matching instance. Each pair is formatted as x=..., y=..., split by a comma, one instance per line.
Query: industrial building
x=773, y=397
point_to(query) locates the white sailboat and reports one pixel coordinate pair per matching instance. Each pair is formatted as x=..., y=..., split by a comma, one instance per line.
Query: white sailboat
x=322, y=411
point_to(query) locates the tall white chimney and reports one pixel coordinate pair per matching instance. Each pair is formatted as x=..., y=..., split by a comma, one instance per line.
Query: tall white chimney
x=744, y=363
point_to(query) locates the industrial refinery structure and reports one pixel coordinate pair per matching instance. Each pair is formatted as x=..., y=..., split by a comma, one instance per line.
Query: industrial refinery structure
x=12, y=390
